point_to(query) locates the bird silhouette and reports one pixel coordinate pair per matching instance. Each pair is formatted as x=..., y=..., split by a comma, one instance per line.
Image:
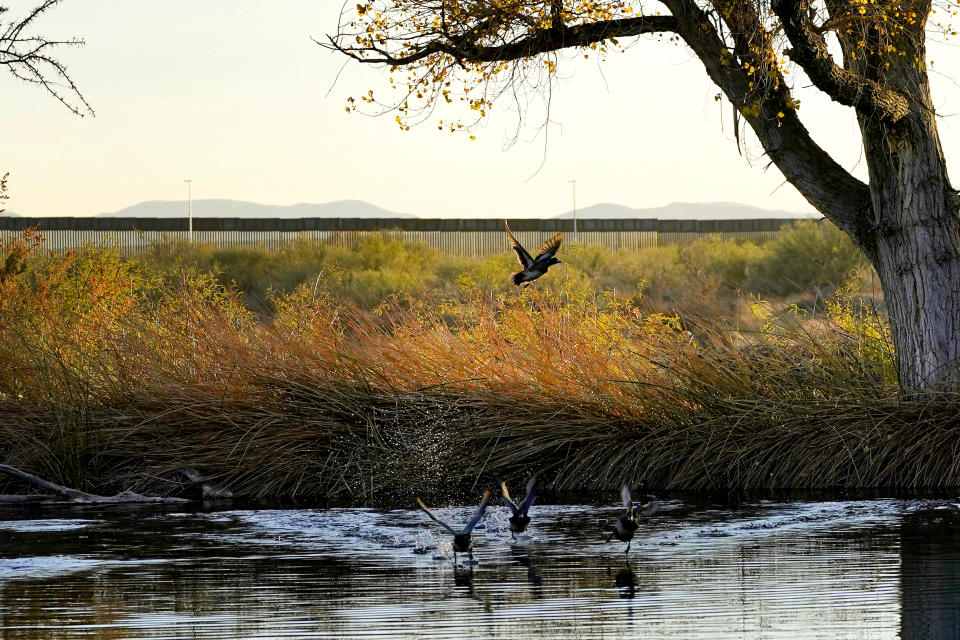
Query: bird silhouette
x=462, y=540
x=626, y=524
x=533, y=268
x=520, y=518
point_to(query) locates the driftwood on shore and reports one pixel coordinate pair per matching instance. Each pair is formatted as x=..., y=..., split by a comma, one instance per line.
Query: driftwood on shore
x=73, y=496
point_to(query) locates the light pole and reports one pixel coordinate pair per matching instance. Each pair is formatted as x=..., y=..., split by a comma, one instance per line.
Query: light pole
x=189, y=208
x=574, y=183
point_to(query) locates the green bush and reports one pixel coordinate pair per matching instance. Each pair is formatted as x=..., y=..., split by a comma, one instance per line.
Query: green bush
x=375, y=267
x=807, y=255
x=808, y=259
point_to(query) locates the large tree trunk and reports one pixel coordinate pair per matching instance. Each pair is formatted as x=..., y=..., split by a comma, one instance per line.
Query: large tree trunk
x=915, y=243
x=916, y=249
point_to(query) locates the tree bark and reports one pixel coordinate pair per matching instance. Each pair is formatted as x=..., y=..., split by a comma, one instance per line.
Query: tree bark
x=917, y=248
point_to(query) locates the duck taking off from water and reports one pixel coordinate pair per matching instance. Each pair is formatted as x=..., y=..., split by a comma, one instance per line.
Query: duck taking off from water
x=627, y=524
x=520, y=518
x=533, y=268
x=463, y=540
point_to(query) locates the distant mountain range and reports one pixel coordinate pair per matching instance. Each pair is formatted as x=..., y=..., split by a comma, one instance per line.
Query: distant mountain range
x=361, y=209
x=241, y=209
x=685, y=211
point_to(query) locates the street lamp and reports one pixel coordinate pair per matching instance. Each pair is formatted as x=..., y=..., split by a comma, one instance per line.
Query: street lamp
x=189, y=208
x=574, y=183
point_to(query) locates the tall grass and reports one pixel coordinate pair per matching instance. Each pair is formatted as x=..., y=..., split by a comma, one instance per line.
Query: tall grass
x=118, y=373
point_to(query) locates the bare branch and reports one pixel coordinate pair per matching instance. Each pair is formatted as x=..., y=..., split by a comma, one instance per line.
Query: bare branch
x=27, y=58
x=3, y=192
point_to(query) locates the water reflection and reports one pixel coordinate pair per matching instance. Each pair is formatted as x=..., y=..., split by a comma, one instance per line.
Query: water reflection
x=626, y=582
x=930, y=569
x=520, y=555
x=771, y=570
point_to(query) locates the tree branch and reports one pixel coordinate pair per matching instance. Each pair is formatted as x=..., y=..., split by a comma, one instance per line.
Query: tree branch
x=745, y=71
x=465, y=46
x=27, y=58
x=843, y=86
x=817, y=176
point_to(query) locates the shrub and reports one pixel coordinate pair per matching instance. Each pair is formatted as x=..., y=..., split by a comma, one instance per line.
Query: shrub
x=807, y=255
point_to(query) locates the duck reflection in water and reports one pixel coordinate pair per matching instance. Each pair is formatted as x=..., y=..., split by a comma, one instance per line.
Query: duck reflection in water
x=521, y=556
x=520, y=518
x=626, y=582
x=626, y=524
x=463, y=588
x=463, y=578
x=462, y=540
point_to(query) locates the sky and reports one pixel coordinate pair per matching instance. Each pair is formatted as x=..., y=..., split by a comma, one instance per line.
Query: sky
x=236, y=96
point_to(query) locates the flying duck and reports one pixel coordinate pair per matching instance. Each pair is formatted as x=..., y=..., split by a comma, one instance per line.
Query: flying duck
x=533, y=268
x=462, y=541
x=627, y=524
x=520, y=518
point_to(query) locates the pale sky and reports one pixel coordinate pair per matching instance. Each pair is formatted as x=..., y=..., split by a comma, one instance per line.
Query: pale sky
x=233, y=94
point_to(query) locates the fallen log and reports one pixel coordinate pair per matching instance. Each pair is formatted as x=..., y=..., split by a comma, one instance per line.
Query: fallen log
x=26, y=499
x=73, y=496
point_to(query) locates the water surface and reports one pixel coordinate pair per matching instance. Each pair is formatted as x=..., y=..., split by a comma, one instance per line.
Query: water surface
x=801, y=569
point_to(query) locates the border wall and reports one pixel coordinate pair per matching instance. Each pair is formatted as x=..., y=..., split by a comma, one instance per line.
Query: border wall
x=457, y=236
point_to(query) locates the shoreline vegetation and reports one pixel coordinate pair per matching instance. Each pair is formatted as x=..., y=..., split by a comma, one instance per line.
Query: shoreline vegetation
x=370, y=375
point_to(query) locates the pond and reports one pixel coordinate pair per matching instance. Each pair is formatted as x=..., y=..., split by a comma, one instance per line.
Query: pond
x=881, y=568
